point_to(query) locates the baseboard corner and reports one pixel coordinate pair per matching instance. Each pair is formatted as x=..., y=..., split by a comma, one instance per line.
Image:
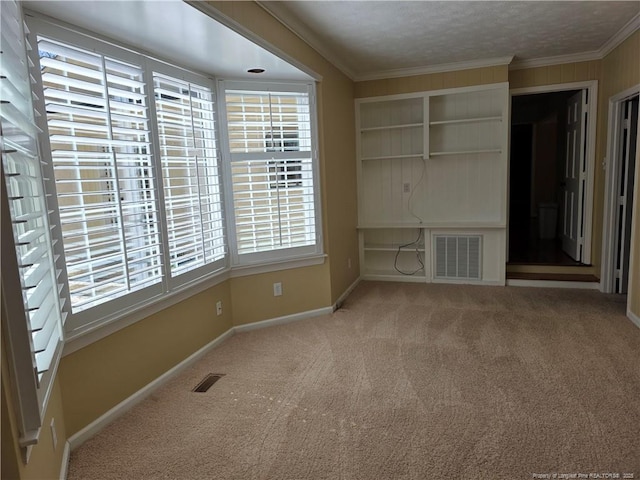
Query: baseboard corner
x=633, y=317
x=346, y=293
x=64, y=467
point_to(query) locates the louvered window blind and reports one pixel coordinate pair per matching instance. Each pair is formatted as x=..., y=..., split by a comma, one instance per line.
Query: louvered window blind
x=35, y=324
x=190, y=172
x=99, y=132
x=272, y=169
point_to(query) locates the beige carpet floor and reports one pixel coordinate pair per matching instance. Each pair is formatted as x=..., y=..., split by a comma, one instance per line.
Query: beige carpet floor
x=404, y=382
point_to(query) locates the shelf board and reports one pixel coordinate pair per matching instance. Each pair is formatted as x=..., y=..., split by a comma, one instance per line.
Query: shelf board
x=465, y=152
x=393, y=276
x=393, y=157
x=391, y=248
x=390, y=225
x=466, y=120
x=433, y=225
x=391, y=127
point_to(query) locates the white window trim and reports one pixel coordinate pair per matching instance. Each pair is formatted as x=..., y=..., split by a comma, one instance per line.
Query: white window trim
x=123, y=319
x=254, y=263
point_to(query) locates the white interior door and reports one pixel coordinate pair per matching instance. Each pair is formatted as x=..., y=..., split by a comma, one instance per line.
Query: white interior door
x=572, y=185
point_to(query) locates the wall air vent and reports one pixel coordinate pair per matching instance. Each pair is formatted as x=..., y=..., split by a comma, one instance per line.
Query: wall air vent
x=207, y=381
x=458, y=257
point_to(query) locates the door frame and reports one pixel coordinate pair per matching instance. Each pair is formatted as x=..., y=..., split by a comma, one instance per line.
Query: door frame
x=612, y=168
x=592, y=108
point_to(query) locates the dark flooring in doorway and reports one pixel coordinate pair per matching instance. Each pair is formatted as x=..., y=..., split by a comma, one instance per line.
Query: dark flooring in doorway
x=526, y=247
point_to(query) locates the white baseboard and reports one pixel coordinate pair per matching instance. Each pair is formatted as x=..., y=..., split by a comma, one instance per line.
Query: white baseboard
x=282, y=320
x=65, y=461
x=516, y=282
x=633, y=317
x=346, y=293
x=105, y=419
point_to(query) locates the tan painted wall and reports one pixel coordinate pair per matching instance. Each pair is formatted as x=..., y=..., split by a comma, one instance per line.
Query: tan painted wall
x=253, y=300
x=553, y=74
x=337, y=155
x=45, y=460
x=99, y=376
x=621, y=70
x=431, y=81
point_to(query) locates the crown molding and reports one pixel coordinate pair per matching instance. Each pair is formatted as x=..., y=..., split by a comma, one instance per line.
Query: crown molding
x=625, y=32
x=620, y=36
x=556, y=60
x=303, y=32
x=440, y=68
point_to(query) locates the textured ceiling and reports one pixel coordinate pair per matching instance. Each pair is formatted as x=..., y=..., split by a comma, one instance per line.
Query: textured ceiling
x=369, y=37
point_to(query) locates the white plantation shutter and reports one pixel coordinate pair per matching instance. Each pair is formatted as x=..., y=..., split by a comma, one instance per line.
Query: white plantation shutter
x=272, y=170
x=28, y=267
x=190, y=171
x=99, y=132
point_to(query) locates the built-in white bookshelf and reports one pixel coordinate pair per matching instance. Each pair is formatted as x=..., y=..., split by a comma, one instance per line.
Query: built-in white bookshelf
x=394, y=253
x=430, y=162
x=465, y=123
x=392, y=130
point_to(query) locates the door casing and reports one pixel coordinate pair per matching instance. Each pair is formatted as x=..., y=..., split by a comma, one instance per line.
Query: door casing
x=591, y=87
x=612, y=169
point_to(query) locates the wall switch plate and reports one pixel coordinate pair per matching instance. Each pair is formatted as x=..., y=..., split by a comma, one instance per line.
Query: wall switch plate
x=277, y=289
x=219, y=307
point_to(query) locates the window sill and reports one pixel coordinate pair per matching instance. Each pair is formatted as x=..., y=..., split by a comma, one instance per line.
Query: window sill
x=74, y=341
x=277, y=265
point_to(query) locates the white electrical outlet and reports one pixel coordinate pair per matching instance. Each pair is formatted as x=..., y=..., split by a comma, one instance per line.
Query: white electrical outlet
x=277, y=289
x=54, y=434
x=406, y=187
x=219, y=307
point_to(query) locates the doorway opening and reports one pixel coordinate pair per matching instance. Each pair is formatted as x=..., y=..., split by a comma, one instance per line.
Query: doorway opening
x=620, y=184
x=549, y=190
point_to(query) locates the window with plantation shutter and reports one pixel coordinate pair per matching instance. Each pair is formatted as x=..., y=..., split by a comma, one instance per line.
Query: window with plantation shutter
x=99, y=132
x=272, y=170
x=190, y=172
x=29, y=273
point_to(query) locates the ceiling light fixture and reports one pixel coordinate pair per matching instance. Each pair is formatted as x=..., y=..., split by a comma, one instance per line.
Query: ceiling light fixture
x=256, y=70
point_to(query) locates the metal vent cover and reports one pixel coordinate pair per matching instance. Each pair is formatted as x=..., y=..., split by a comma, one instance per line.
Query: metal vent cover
x=207, y=381
x=458, y=257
